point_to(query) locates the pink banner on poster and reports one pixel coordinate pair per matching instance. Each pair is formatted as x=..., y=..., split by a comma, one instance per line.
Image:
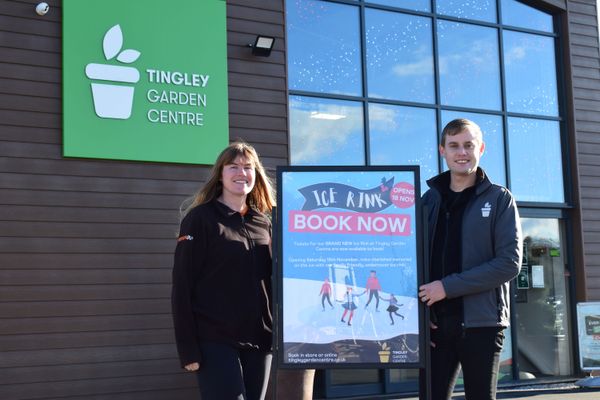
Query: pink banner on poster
x=349, y=222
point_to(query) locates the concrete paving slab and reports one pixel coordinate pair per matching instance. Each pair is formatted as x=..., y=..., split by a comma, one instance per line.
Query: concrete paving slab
x=551, y=392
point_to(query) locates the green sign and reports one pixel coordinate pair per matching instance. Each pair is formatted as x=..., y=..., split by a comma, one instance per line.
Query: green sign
x=145, y=80
x=523, y=278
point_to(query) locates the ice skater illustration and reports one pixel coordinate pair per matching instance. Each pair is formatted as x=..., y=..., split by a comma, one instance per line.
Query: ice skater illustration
x=349, y=305
x=393, y=307
x=325, y=293
x=373, y=287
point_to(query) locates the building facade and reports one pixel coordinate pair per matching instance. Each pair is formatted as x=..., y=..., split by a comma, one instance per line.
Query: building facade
x=86, y=244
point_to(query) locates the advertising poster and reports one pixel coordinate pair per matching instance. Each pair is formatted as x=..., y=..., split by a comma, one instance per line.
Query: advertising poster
x=349, y=264
x=588, y=323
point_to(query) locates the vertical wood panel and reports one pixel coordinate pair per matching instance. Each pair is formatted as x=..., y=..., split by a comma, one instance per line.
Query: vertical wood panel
x=583, y=90
x=258, y=84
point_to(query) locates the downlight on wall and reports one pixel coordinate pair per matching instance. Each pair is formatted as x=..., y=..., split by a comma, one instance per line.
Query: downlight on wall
x=262, y=46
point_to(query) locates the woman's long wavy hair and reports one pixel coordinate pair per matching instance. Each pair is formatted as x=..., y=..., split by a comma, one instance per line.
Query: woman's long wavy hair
x=261, y=198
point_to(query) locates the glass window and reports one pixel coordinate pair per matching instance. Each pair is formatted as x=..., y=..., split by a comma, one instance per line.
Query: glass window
x=530, y=65
x=484, y=10
x=407, y=379
x=505, y=373
x=373, y=60
x=492, y=160
x=354, y=376
x=404, y=136
x=324, y=47
x=417, y=5
x=469, y=66
x=541, y=304
x=399, y=56
x=518, y=14
x=536, y=172
x=326, y=132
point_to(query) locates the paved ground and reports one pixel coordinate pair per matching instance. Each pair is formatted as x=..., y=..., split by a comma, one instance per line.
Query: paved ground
x=539, y=391
x=564, y=391
x=559, y=391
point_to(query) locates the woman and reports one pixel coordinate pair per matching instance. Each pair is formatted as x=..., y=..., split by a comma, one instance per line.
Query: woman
x=393, y=307
x=222, y=279
x=349, y=305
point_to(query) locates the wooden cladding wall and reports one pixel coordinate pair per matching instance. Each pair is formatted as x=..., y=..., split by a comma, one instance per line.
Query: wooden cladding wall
x=584, y=85
x=86, y=245
x=258, y=85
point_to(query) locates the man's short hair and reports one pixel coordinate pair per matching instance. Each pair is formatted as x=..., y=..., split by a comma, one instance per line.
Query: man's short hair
x=458, y=125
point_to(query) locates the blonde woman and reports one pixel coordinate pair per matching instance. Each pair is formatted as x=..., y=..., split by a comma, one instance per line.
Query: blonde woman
x=222, y=279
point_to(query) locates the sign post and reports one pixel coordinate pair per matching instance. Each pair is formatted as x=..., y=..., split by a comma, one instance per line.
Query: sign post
x=588, y=328
x=350, y=261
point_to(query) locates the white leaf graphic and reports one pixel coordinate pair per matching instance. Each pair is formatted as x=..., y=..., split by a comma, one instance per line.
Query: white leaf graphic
x=128, y=56
x=113, y=41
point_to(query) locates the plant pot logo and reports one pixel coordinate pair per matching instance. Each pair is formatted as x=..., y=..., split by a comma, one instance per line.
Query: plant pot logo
x=384, y=353
x=114, y=100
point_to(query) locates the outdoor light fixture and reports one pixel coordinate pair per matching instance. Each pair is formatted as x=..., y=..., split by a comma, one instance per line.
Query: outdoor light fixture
x=262, y=46
x=42, y=8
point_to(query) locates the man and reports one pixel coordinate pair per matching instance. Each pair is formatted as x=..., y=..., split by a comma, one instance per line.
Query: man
x=372, y=288
x=325, y=294
x=475, y=250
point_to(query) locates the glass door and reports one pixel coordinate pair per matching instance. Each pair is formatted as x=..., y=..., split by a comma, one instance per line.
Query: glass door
x=541, y=303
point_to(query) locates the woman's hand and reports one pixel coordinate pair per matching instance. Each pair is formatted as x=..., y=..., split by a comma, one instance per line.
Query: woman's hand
x=192, y=367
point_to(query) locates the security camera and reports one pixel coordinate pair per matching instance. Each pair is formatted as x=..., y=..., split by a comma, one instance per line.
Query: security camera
x=42, y=8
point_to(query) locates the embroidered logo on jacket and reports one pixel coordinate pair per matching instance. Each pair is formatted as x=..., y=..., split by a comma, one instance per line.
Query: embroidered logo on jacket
x=485, y=210
x=185, y=237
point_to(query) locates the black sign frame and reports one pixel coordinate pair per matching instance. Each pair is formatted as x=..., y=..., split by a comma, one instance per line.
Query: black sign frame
x=280, y=235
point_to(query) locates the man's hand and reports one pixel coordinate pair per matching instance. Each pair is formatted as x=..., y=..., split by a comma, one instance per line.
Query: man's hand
x=192, y=367
x=432, y=292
